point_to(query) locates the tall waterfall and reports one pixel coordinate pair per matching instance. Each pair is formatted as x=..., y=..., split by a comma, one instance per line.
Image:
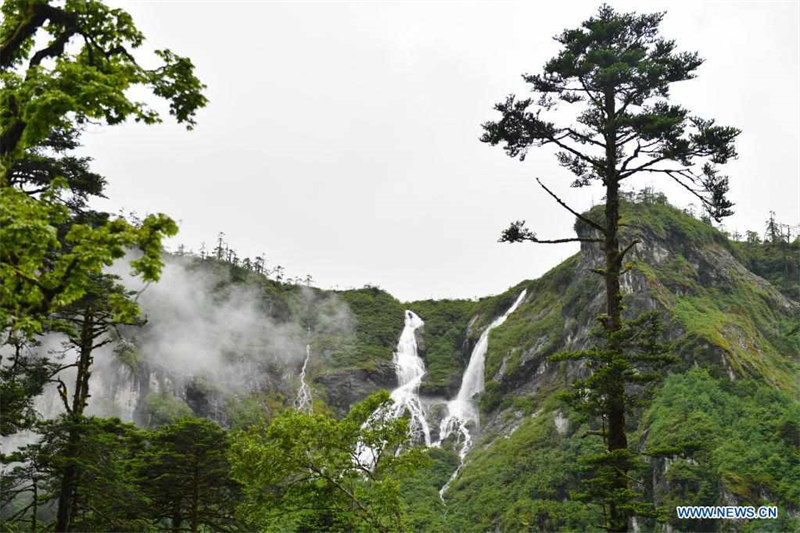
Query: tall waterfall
x=303, y=400
x=410, y=370
x=463, y=409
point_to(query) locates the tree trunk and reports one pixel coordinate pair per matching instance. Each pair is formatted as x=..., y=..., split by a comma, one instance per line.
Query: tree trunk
x=195, y=519
x=616, y=438
x=68, y=484
x=35, y=503
x=176, y=518
x=69, y=480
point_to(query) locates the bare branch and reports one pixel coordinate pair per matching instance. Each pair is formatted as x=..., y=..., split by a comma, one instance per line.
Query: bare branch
x=557, y=141
x=592, y=223
x=642, y=167
x=584, y=138
x=628, y=249
x=672, y=174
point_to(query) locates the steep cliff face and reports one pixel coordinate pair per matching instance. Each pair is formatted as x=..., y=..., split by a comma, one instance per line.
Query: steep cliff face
x=736, y=338
x=724, y=426
x=719, y=312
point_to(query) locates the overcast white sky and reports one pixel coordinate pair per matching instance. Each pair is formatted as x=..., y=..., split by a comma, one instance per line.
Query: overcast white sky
x=342, y=139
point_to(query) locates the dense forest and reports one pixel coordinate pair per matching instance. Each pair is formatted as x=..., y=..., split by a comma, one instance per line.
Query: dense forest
x=149, y=390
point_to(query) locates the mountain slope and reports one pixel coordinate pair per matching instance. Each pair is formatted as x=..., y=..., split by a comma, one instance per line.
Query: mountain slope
x=722, y=428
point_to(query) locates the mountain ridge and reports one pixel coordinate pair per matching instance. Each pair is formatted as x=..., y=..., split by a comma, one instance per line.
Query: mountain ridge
x=732, y=331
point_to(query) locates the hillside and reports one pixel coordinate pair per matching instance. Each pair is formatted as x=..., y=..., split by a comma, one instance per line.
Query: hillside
x=723, y=427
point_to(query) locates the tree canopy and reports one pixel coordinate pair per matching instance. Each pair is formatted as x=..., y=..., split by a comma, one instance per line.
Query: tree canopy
x=614, y=74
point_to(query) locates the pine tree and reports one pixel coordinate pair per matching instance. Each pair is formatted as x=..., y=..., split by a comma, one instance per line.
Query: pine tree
x=88, y=324
x=618, y=70
x=772, y=233
x=186, y=476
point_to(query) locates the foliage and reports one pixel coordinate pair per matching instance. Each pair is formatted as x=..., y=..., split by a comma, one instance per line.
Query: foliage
x=618, y=69
x=444, y=337
x=185, y=476
x=107, y=498
x=48, y=88
x=741, y=438
x=63, y=66
x=523, y=482
x=778, y=263
x=29, y=239
x=129, y=479
x=420, y=491
x=52, y=161
x=22, y=378
x=378, y=323
x=254, y=409
x=164, y=408
x=66, y=65
x=312, y=472
x=634, y=366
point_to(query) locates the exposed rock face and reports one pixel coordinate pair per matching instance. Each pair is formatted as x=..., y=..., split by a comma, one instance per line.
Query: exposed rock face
x=348, y=386
x=664, y=269
x=720, y=315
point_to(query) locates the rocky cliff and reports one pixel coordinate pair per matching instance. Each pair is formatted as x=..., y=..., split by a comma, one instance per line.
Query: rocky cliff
x=722, y=427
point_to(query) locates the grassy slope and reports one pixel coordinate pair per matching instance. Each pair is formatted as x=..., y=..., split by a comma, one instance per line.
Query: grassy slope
x=750, y=431
x=445, y=338
x=739, y=315
x=378, y=323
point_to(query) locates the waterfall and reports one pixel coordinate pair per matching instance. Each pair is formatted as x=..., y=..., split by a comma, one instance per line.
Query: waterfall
x=303, y=400
x=410, y=370
x=463, y=409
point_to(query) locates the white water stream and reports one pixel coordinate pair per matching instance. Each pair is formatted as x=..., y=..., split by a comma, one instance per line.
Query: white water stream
x=463, y=409
x=303, y=400
x=410, y=370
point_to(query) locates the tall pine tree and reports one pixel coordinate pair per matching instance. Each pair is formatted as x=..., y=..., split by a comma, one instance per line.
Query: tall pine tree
x=615, y=71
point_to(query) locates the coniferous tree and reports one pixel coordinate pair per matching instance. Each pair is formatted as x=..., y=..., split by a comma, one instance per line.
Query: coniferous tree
x=310, y=472
x=186, y=476
x=108, y=498
x=89, y=324
x=772, y=233
x=618, y=70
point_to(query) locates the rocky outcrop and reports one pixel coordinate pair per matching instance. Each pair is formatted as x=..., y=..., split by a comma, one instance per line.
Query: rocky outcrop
x=347, y=386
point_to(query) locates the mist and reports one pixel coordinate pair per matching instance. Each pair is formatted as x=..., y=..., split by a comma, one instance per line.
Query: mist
x=204, y=330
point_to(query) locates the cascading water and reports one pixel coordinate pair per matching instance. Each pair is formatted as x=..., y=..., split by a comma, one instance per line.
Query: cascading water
x=303, y=400
x=463, y=409
x=410, y=370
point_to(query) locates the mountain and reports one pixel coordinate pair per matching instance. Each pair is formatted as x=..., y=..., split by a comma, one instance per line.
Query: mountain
x=722, y=427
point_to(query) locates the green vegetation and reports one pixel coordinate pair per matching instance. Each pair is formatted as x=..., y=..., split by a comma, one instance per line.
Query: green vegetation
x=724, y=426
x=444, y=337
x=164, y=408
x=777, y=262
x=185, y=475
x=523, y=482
x=130, y=479
x=740, y=438
x=420, y=491
x=305, y=472
x=554, y=302
x=378, y=323
x=617, y=69
x=721, y=307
